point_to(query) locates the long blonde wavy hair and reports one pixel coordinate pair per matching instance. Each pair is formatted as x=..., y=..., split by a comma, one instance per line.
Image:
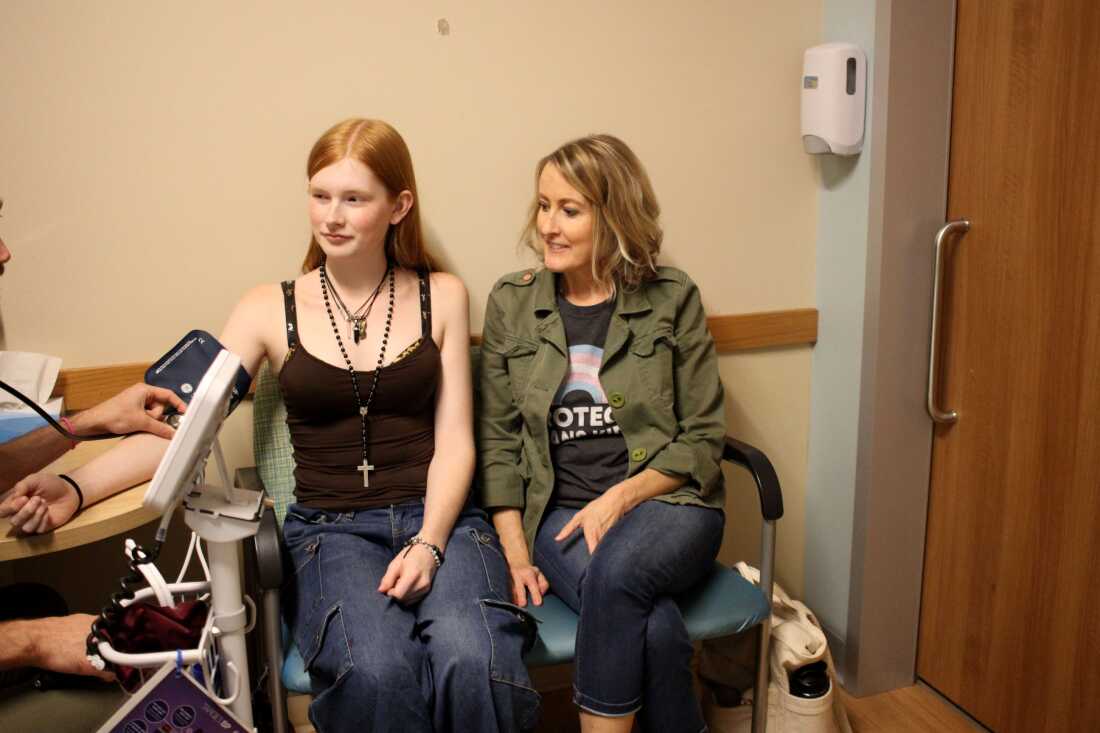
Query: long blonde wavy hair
x=626, y=234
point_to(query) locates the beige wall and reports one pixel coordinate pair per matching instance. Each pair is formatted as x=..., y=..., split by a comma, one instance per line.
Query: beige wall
x=152, y=154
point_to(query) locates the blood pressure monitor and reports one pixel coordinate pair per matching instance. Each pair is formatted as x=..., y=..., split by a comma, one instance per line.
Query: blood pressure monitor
x=195, y=436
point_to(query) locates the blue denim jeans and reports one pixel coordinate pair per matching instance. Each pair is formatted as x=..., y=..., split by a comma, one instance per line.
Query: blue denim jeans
x=452, y=662
x=633, y=652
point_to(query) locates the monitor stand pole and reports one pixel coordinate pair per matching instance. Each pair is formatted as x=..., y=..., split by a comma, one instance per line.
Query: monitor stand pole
x=224, y=524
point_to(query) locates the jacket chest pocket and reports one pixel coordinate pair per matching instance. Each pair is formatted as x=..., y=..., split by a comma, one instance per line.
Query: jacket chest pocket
x=654, y=358
x=520, y=355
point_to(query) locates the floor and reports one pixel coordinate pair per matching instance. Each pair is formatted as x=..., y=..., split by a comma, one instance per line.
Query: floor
x=907, y=710
x=915, y=709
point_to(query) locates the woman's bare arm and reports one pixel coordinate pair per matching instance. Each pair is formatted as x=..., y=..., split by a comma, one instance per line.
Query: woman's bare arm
x=41, y=502
x=452, y=465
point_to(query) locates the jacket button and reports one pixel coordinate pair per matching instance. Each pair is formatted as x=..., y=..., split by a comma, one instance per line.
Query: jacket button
x=616, y=399
x=527, y=277
x=638, y=455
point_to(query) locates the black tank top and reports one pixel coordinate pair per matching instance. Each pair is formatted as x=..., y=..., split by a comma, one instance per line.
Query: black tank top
x=325, y=427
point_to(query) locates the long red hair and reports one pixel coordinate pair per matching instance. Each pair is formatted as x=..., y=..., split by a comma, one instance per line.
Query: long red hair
x=381, y=148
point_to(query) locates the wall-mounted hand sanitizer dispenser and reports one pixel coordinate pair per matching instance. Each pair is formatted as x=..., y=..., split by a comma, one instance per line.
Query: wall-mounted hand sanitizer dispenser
x=834, y=84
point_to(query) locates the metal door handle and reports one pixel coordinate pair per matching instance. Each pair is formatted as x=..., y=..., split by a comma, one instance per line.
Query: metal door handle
x=940, y=416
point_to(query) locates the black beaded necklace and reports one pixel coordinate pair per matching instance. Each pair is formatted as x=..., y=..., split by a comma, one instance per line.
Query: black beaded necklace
x=364, y=407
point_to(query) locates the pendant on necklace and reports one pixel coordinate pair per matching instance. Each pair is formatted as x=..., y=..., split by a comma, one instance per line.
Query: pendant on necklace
x=358, y=330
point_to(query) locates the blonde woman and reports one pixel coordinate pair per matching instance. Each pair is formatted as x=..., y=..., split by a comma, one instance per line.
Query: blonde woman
x=600, y=434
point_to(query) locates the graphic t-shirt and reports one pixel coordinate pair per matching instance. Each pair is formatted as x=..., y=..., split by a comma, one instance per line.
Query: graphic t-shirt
x=586, y=445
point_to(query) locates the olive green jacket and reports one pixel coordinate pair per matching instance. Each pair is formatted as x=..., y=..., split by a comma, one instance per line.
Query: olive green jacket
x=659, y=370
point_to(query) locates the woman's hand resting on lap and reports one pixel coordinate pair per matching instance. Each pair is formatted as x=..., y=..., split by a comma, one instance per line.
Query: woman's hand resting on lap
x=596, y=518
x=409, y=575
x=528, y=579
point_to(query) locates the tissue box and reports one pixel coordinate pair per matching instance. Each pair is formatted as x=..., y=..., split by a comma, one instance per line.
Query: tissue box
x=14, y=423
x=34, y=375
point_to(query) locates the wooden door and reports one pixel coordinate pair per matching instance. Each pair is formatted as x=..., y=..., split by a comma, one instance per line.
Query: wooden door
x=1010, y=613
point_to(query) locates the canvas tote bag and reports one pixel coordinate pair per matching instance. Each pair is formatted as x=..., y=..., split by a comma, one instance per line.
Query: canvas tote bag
x=796, y=640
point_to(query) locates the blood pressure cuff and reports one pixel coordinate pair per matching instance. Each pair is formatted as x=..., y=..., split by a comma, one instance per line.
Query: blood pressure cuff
x=146, y=627
x=182, y=368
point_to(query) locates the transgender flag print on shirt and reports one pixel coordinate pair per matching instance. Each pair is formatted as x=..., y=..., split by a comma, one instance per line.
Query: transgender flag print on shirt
x=579, y=408
x=587, y=449
x=583, y=374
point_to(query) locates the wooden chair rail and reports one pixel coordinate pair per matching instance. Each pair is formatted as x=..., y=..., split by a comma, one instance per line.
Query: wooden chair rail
x=86, y=386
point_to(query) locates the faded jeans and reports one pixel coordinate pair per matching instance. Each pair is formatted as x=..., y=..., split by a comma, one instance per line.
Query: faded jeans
x=633, y=653
x=451, y=662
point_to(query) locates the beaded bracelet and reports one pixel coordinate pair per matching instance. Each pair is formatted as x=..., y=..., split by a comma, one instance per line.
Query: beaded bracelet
x=437, y=554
